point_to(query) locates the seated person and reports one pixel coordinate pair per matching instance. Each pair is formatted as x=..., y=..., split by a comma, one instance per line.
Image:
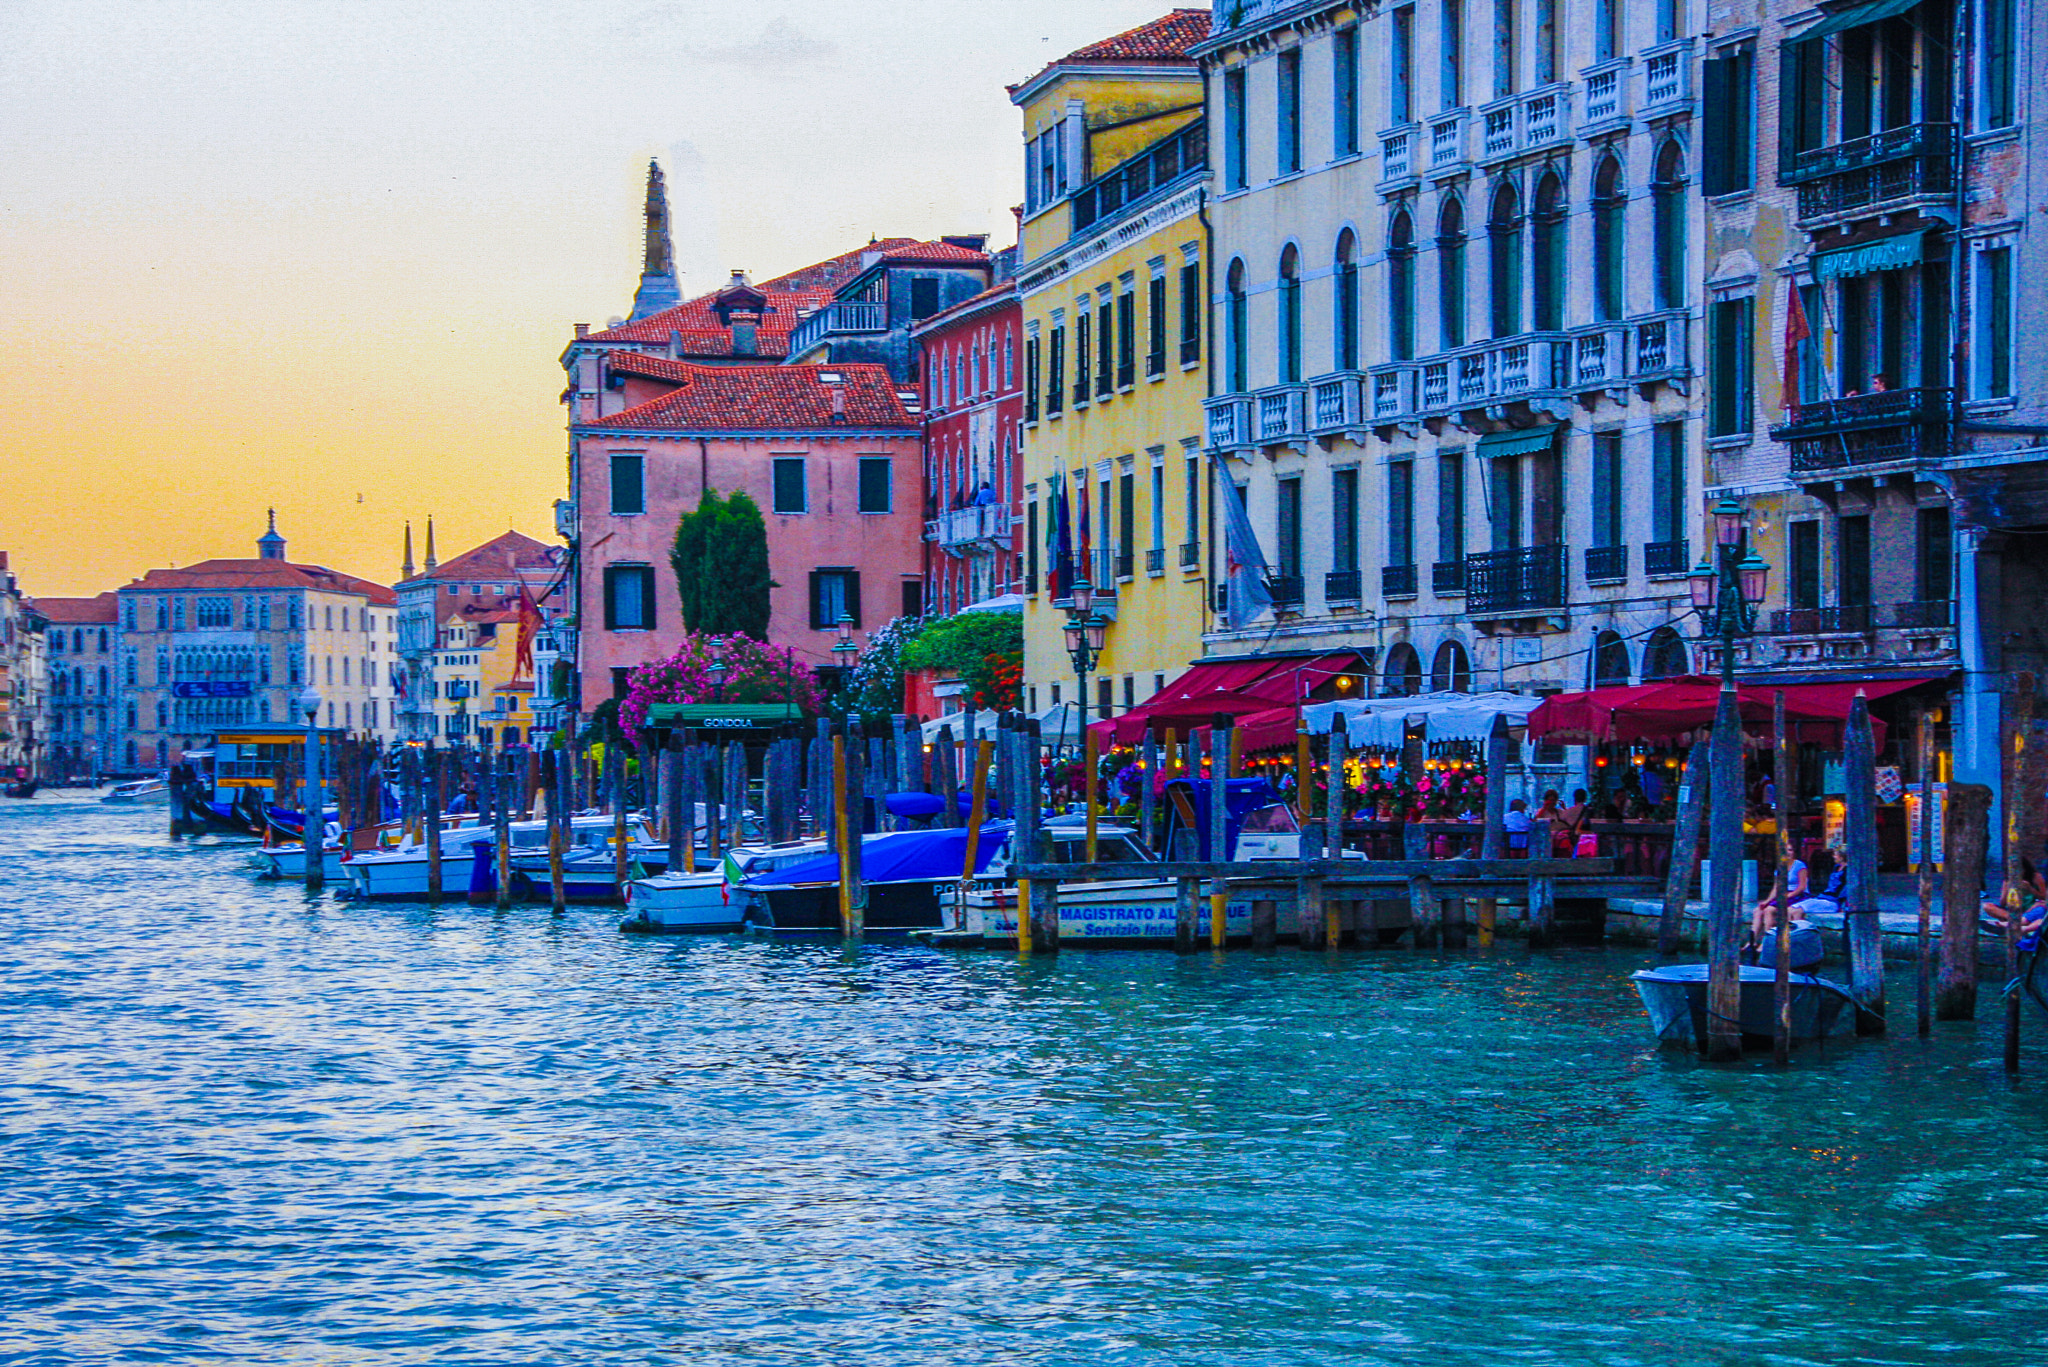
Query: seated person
x=2034, y=892
x=1794, y=881
x=1516, y=824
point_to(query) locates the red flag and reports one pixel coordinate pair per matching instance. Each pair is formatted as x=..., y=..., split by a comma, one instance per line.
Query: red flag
x=1798, y=336
x=529, y=623
x=1081, y=527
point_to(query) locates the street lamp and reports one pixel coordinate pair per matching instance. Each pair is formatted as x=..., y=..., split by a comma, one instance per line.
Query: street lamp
x=845, y=650
x=718, y=668
x=313, y=823
x=1727, y=587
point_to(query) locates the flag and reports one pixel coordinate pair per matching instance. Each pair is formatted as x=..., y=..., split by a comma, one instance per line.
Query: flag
x=1798, y=341
x=1081, y=538
x=398, y=681
x=1062, y=548
x=529, y=625
x=1246, y=597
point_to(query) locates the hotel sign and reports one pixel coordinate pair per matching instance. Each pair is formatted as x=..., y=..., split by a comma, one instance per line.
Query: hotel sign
x=238, y=688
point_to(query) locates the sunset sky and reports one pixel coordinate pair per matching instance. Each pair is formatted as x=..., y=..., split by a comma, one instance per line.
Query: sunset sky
x=324, y=257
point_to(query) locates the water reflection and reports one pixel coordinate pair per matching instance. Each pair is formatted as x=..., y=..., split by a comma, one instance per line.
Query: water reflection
x=242, y=1123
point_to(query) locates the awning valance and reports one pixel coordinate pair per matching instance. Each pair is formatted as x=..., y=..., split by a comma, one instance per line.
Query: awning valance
x=1521, y=442
x=1856, y=16
x=1382, y=723
x=1884, y=254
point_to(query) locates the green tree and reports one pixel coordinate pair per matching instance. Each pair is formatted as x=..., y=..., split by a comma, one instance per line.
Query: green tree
x=720, y=560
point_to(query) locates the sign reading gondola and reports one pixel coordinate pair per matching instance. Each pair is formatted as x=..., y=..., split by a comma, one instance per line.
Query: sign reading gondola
x=236, y=688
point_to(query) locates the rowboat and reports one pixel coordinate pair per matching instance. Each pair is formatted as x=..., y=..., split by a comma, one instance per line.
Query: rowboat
x=1675, y=997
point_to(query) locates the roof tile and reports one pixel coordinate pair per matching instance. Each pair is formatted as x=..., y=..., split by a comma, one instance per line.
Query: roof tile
x=768, y=398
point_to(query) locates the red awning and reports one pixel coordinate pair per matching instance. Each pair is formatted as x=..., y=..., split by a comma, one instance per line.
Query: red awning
x=1677, y=709
x=1281, y=683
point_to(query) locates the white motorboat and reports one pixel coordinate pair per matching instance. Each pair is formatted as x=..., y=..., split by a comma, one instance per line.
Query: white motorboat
x=289, y=861
x=138, y=791
x=711, y=899
x=402, y=872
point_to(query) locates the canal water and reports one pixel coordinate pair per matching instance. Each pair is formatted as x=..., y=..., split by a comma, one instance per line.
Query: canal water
x=241, y=1125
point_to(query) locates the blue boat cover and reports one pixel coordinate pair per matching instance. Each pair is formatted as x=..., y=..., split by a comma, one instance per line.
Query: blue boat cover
x=898, y=857
x=914, y=805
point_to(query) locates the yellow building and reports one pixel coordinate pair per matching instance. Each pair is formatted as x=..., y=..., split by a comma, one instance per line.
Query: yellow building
x=474, y=694
x=1113, y=283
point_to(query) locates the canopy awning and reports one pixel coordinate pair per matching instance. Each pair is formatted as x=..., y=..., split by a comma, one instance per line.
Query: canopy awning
x=1518, y=443
x=1856, y=16
x=1280, y=683
x=1678, y=709
x=1884, y=254
x=1382, y=723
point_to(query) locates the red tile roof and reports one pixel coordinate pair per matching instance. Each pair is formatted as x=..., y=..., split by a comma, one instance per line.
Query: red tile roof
x=650, y=367
x=80, y=611
x=235, y=576
x=1168, y=40
x=502, y=557
x=789, y=295
x=994, y=294
x=769, y=398
x=936, y=251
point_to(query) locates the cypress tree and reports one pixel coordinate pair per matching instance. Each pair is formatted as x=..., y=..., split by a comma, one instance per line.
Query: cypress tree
x=720, y=560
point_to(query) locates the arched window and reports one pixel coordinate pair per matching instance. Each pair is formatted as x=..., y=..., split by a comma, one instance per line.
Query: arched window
x=1504, y=243
x=1344, y=303
x=1401, y=287
x=1290, y=315
x=1451, y=670
x=77, y=640
x=1404, y=671
x=1610, y=660
x=103, y=681
x=1234, y=323
x=103, y=640
x=1610, y=199
x=1664, y=656
x=1450, y=272
x=1547, y=233
x=1667, y=222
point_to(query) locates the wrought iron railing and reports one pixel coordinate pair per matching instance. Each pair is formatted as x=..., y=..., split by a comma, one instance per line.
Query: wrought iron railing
x=1842, y=619
x=1190, y=555
x=1447, y=577
x=1286, y=589
x=1161, y=164
x=1606, y=564
x=1936, y=612
x=1665, y=557
x=1342, y=586
x=1868, y=429
x=1527, y=578
x=1397, y=581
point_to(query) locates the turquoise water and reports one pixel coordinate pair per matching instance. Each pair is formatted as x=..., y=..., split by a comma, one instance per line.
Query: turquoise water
x=239, y=1125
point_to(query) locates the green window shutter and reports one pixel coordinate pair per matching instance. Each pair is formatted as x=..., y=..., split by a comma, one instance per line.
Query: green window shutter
x=629, y=494
x=875, y=491
x=852, y=578
x=1717, y=84
x=611, y=600
x=790, y=494
x=817, y=592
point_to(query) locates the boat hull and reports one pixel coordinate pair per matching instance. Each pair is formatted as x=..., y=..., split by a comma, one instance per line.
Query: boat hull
x=289, y=861
x=684, y=903
x=813, y=909
x=1126, y=913
x=1676, y=1000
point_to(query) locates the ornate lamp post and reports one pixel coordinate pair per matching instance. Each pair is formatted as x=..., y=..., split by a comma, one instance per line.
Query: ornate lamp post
x=718, y=668
x=1085, y=631
x=1727, y=589
x=845, y=650
x=313, y=830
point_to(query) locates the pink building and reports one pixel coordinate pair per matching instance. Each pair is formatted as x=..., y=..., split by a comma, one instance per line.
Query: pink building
x=972, y=374
x=829, y=452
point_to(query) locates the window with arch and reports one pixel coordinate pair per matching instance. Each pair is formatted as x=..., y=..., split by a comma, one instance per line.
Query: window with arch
x=103, y=690
x=1504, y=243
x=1450, y=273
x=1664, y=655
x=1234, y=309
x=1610, y=199
x=1404, y=671
x=1547, y=248
x=1401, y=287
x=1290, y=315
x=1610, y=660
x=1344, y=303
x=1451, y=669
x=1667, y=222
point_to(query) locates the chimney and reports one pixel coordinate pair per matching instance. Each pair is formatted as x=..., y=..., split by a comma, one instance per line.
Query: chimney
x=745, y=334
x=838, y=402
x=675, y=344
x=582, y=331
x=739, y=280
x=973, y=242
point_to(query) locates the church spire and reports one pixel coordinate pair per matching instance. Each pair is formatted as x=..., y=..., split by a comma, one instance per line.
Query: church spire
x=658, y=289
x=431, y=562
x=270, y=546
x=405, y=570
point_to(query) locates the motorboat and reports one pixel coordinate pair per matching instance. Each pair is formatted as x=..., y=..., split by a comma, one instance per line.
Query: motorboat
x=1676, y=998
x=711, y=899
x=27, y=788
x=138, y=791
x=401, y=872
x=589, y=864
x=902, y=876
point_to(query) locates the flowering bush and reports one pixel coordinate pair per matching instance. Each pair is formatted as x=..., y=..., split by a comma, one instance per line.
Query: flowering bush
x=874, y=686
x=999, y=682
x=755, y=673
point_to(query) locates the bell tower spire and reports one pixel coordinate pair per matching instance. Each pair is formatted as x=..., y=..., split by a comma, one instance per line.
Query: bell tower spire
x=431, y=562
x=405, y=570
x=658, y=289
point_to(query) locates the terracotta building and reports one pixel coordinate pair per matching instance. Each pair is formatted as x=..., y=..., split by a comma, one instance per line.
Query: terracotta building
x=82, y=643
x=465, y=605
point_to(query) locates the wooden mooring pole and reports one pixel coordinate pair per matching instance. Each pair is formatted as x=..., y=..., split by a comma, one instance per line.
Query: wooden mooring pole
x=1724, y=894
x=1781, y=796
x=1859, y=888
x=1923, y=857
x=1220, y=753
x=430, y=789
x=1493, y=845
x=2023, y=813
x=1685, y=847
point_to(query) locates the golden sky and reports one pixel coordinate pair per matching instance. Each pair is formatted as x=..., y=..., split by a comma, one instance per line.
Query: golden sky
x=324, y=256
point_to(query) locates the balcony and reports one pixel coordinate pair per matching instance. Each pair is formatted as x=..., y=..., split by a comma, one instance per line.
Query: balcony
x=1342, y=586
x=1278, y=413
x=1447, y=143
x=1606, y=564
x=1863, y=431
x=1851, y=619
x=1525, y=579
x=1286, y=589
x=1125, y=562
x=1545, y=116
x=1667, y=78
x=1606, y=99
x=1447, y=577
x=1657, y=347
x=1191, y=555
x=1393, y=391
x=838, y=319
x=1397, y=153
x=1929, y=615
x=1155, y=561
x=1397, y=581
x=984, y=526
x=1333, y=403
x=1160, y=165
x=1498, y=129
x=1229, y=422
x=1663, y=558
x=1882, y=173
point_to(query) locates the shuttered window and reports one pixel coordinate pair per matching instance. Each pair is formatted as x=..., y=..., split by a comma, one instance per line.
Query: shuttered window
x=629, y=598
x=791, y=495
x=834, y=592
x=629, y=491
x=1728, y=95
